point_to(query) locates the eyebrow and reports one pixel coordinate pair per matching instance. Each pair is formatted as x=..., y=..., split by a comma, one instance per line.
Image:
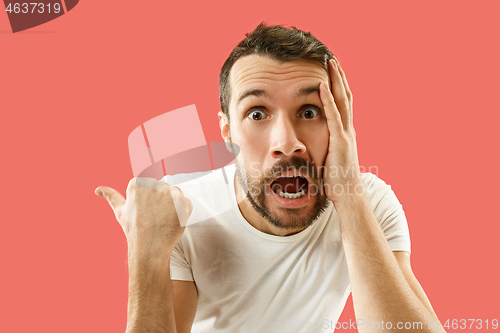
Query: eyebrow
x=307, y=91
x=252, y=92
x=262, y=93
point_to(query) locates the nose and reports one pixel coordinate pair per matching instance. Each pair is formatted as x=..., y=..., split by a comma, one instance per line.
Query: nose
x=284, y=139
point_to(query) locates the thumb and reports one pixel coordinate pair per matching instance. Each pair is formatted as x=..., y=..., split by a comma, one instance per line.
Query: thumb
x=114, y=198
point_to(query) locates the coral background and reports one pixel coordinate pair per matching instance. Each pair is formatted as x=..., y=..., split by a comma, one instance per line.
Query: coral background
x=424, y=76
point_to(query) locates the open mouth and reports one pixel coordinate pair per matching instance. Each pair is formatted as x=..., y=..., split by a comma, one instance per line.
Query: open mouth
x=290, y=187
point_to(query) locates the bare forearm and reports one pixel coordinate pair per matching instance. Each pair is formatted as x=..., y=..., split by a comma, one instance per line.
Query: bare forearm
x=379, y=288
x=150, y=303
x=151, y=217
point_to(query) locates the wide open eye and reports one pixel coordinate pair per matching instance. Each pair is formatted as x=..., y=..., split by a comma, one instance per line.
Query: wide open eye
x=256, y=115
x=309, y=112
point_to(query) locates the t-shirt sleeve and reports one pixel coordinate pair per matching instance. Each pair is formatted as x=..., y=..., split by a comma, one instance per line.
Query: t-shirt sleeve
x=180, y=269
x=389, y=213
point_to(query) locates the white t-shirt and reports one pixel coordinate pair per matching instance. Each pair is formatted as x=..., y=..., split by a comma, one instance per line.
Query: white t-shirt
x=249, y=281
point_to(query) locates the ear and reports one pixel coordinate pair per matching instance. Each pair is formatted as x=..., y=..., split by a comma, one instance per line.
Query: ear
x=224, y=126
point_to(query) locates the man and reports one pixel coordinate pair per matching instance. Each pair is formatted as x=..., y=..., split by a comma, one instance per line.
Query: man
x=306, y=228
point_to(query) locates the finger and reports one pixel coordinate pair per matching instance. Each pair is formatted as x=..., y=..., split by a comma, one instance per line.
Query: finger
x=190, y=204
x=114, y=198
x=332, y=114
x=142, y=182
x=177, y=188
x=347, y=89
x=161, y=185
x=183, y=206
x=346, y=84
x=339, y=93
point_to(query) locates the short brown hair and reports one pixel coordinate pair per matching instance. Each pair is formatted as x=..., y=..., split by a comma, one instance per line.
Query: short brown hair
x=277, y=42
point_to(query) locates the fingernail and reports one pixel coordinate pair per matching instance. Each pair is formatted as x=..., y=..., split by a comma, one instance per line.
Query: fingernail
x=334, y=63
x=99, y=192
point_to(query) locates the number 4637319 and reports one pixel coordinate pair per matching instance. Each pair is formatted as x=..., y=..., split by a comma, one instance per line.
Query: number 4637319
x=472, y=323
x=33, y=8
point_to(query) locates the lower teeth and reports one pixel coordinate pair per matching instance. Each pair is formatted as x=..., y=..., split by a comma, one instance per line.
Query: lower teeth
x=290, y=195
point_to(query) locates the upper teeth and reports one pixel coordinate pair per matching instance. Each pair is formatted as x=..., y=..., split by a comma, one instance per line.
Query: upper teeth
x=291, y=176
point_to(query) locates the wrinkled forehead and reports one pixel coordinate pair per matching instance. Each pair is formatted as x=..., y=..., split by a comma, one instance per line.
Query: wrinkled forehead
x=259, y=72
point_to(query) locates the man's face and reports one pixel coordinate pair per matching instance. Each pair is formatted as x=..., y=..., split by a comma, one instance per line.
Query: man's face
x=277, y=120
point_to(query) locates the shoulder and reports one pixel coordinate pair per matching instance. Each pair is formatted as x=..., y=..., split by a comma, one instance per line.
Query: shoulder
x=385, y=204
x=389, y=212
x=376, y=189
x=371, y=181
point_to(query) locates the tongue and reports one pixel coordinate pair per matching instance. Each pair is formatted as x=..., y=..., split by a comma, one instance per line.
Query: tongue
x=291, y=184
